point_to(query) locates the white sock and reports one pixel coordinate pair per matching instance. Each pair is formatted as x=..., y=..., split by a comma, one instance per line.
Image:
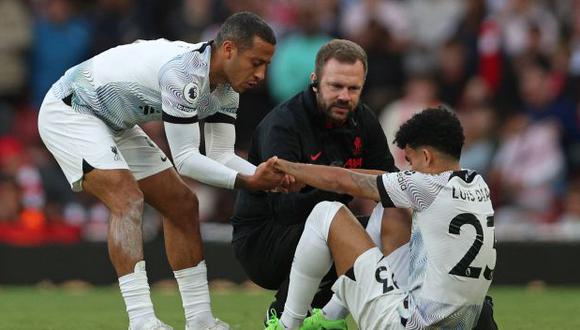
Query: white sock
x=135, y=292
x=312, y=260
x=334, y=309
x=194, y=291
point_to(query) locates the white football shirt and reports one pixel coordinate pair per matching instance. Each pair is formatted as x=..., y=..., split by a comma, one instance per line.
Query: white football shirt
x=160, y=79
x=138, y=82
x=452, y=254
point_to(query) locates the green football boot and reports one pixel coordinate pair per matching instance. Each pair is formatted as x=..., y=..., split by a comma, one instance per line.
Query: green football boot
x=273, y=323
x=317, y=321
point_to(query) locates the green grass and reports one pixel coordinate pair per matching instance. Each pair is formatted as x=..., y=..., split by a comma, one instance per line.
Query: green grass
x=102, y=308
x=537, y=308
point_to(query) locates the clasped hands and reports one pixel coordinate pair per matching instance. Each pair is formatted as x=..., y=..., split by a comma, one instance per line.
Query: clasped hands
x=271, y=177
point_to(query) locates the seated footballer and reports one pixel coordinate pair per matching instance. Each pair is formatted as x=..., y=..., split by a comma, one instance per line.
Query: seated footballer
x=437, y=280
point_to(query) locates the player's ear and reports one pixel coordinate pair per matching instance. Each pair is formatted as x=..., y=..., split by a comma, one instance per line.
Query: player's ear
x=427, y=156
x=314, y=82
x=228, y=48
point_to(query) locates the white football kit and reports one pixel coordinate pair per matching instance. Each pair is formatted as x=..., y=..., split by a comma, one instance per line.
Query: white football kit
x=89, y=118
x=440, y=278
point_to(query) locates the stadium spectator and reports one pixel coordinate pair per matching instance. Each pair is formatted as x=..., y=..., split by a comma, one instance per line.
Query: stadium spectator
x=10, y=199
x=358, y=16
x=61, y=39
x=526, y=26
x=14, y=162
x=197, y=15
x=294, y=58
x=381, y=28
x=489, y=58
x=324, y=124
x=330, y=14
x=420, y=93
x=475, y=94
x=478, y=124
x=451, y=72
x=119, y=22
x=115, y=23
x=468, y=32
x=575, y=44
x=433, y=24
x=527, y=171
x=15, y=36
x=18, y=225
x=27, y=221
x=89, y=122
x=543, y=100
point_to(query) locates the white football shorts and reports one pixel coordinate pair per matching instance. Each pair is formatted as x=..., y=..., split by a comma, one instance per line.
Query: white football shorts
x=376, y=297
x=78, y=139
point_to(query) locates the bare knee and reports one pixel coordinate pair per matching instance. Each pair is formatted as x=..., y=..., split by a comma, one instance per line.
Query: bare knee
x=129, y=205
x=117, y=189
x=182, y=206
x=189, y=204
x=126, y=199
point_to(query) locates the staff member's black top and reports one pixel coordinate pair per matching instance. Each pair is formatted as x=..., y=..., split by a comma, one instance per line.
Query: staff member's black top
x=297, y=130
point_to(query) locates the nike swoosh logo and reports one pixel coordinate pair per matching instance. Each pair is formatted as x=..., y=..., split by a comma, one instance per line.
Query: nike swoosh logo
x=315, y=157
x=163, y=158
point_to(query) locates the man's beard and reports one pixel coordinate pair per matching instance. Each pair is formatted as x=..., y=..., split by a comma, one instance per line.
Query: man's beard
x=331, y=116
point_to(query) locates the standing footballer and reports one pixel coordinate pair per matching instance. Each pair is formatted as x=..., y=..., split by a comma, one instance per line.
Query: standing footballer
x=89, y=122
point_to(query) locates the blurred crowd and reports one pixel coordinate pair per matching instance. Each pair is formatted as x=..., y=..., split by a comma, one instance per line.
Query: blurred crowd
x=509, y=68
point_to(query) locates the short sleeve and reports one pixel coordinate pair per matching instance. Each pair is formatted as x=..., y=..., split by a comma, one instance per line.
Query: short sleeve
x=180, y=89
x=409, y=189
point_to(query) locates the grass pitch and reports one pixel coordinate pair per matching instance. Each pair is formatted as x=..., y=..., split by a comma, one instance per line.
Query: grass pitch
x=102, y=308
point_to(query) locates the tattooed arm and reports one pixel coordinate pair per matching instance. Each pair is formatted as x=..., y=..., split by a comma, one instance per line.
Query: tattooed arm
x=364, y=171
x=331, y=178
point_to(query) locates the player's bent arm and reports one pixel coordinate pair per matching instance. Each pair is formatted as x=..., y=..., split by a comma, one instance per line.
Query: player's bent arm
x=181, y=127
x=335, y=179
x=220, y=139
x=183, y=141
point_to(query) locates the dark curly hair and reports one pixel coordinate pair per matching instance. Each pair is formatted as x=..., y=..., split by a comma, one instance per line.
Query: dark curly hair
x=434, y=127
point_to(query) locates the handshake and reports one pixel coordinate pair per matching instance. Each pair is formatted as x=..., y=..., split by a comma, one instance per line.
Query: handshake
x=272, y=175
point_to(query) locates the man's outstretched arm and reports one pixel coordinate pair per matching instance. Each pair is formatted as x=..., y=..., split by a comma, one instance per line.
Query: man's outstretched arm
x=335, y=179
